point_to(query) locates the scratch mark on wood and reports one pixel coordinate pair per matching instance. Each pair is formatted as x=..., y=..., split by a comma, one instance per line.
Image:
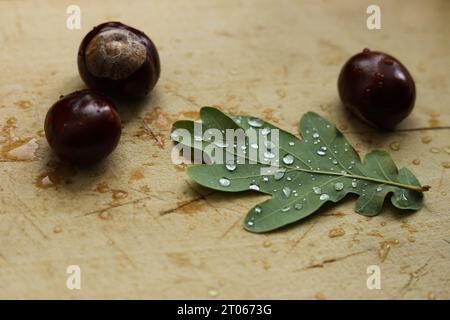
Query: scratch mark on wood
x=302, y=237
x=42, y=233
x=126, y=256
x=231, y=227
x=114, y=206
x=330, y=260
x=181, y=205
x=414, y=277
x=149, y=130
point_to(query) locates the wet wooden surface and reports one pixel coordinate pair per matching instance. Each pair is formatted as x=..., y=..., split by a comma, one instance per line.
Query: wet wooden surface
x=139, y=228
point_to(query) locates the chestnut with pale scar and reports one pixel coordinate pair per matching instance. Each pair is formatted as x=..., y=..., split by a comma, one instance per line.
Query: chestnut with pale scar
x=118, y=59
x=114, y=54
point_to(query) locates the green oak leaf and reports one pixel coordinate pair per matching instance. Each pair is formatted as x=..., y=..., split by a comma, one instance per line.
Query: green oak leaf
x=321, y=167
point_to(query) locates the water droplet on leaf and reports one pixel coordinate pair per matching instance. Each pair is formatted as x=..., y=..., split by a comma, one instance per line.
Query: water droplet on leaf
x=288, y=159
x=287, y=192
x=338, y=186
x=265, y=131
x=254, y=122
x=324, y=197
x=231, y=166
x=224, y=182
x=253, y=186
x=317, y=190
x=279, y=174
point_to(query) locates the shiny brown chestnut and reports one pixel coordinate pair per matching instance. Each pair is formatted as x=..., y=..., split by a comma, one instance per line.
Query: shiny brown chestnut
x=116, y=58
x=83, y=127
x=377, y=88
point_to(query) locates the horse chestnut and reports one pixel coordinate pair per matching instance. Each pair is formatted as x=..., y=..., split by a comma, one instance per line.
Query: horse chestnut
x=83, y=127
x=377, y=88
x=116, y=58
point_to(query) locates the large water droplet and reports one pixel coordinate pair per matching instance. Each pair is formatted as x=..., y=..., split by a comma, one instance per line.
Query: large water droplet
x=321, y=153
x=288, y=159
x=287, y=192
x=324, y=197
x=338, y=186
x=254, y=122
x=253, y=186
x=317, y=190
x=224, y=182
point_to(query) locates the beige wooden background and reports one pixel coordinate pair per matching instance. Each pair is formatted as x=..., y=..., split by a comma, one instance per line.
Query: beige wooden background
x=139, y=228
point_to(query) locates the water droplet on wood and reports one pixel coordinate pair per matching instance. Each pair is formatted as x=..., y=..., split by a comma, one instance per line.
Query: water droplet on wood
x=395, y=146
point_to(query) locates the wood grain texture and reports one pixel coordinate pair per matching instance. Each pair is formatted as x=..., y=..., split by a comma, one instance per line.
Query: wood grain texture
x=139, y=228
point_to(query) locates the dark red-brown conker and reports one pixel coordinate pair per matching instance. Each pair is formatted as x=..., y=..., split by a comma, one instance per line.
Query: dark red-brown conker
x=83, y=127
x=377, y=88
x=116, y=58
